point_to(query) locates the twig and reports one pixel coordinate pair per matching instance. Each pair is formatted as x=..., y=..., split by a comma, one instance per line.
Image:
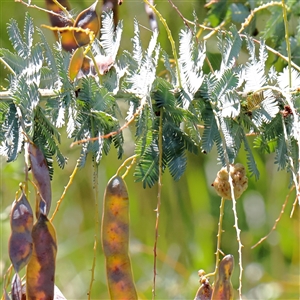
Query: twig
x=132, y=159
x=288, y=46
x=277, y=220
x=160, y=149
x=64, y=192
x=294, y=207
x=170, y=39
x=181, y=16
x=254, y=11
x=295, y=66
x=42, y=9
x=108, y=135
x=96, y=216
x=219, y=235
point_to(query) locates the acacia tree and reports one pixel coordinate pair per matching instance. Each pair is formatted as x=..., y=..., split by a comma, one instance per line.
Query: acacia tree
x=185, y=104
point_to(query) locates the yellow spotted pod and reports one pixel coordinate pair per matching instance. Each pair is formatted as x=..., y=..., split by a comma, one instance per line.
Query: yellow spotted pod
x=115, y=240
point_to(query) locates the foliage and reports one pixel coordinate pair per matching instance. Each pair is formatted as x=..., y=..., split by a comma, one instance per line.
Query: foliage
x=186, y=110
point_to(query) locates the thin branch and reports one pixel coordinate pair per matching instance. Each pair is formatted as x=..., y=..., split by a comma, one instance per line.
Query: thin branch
x=160, y=148
x=64, y=192
x=277, y=220
x=219, y=236
x=43, y=9
x=106, y=136
x=132, y=159
x=287, y=41
x=254, y=11
x=170, y=39
x=96, y=216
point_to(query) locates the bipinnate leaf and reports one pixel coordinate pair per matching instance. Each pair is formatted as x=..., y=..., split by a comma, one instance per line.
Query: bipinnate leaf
x=41, y=267
x=41, y=176
x=87, y=19
x=223, y=289
x=20, y=242
x=115, y=240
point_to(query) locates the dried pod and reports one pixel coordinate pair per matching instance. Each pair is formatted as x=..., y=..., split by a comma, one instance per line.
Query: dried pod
x=87, y=19
x=205, y=291
x=223, y=289
x=40, y=271
x=20, y=242
x=115, y=240
x=41, y=176
x=239, y=180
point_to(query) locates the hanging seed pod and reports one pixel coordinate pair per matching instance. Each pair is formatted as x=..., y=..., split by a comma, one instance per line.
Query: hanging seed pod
x=76, y=63
x=20, y=242
x=87, y=19
x=223, y=289
x=67, y=38
x=115, y=240
x=41, y=176
x=40, y=271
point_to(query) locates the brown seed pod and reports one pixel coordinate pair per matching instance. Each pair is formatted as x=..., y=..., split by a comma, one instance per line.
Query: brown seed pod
x=20, y=242
x=87, y=19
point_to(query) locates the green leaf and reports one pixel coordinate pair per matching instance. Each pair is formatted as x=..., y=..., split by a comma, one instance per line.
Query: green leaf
x=229, y=47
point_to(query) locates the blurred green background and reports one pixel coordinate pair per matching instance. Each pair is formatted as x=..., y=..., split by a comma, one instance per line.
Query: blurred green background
x=190, y=207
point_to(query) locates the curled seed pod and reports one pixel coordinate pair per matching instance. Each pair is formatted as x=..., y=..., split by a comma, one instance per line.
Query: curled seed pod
x=223, y=289
x=41, y=176
x=76, y=62
x=87, y=19
x=239, y=180
x=20, y=241
x=115, y=240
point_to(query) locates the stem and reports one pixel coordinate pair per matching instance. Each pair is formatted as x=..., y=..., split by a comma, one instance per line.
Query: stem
x=106, y=136
x=219, y=235
x=277, y=220
x=160, y=148
x=169, y=37
x=132, y=158
x=254, y=11
x=288, y=46
x=96, y=216
x=236, y=226
x=64, y=192
x=43, y=9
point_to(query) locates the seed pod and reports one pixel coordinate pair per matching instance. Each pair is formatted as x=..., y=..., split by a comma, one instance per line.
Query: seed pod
x=67, y=38
x=76, y=63
x=20, y=242
x=41, y=176
x=223, y=289
x=204, y=292
x=115, y=240
x=40, y=271
x=87, y=19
